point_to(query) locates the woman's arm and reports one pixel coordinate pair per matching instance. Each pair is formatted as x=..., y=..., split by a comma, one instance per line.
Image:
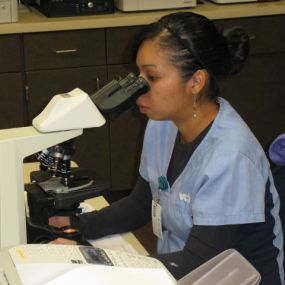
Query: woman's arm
x=203, y=243
x=124, y=215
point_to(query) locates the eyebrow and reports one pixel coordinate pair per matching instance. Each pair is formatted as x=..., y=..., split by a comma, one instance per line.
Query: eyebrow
x=149, y=65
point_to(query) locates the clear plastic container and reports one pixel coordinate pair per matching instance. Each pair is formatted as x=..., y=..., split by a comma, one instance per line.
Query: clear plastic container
x=227, y=268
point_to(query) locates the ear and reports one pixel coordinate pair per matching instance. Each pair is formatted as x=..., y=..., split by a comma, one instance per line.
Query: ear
x=198, y=81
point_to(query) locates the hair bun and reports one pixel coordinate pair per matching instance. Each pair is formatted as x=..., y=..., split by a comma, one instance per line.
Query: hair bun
x=238, y=47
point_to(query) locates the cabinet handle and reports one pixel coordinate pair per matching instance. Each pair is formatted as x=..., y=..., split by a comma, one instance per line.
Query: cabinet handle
x=251, y=38
x=66, y=51
x=97, y=83
x=27, y=97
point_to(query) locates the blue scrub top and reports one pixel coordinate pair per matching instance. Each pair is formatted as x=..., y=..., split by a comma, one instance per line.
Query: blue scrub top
x=223, y=183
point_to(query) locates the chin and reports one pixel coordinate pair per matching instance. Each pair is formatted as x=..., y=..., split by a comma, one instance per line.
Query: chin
x=156, y=117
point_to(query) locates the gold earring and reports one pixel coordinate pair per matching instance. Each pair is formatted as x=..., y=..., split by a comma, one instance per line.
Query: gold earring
x=194, y=109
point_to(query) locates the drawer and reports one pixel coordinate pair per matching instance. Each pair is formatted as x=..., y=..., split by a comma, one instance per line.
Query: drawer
x=119, y=44
x=64, y=49
x=10, y=55
x=267, y=34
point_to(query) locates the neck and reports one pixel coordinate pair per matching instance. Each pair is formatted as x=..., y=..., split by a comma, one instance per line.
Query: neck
x=192, y=127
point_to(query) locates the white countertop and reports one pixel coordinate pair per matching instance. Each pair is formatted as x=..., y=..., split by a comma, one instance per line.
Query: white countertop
x=36, y=22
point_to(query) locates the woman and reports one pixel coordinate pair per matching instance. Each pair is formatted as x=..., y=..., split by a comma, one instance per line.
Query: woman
x=202, y=171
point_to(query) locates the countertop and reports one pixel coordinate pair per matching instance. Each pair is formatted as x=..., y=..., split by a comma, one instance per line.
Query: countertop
x=34, y=21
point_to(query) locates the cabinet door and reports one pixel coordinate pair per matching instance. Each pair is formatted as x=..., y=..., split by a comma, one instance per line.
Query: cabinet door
x=257, y=93
x=92, y=148
x=12, y=103
x=12, y=111
x=126, y=138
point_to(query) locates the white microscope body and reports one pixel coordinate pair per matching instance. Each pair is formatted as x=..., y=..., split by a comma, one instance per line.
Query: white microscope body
x=62, y=119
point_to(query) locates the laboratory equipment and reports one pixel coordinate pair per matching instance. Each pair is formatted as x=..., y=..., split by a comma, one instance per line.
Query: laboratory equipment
x=63, y=119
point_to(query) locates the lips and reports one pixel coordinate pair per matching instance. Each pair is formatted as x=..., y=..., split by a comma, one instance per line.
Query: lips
x=143, y=109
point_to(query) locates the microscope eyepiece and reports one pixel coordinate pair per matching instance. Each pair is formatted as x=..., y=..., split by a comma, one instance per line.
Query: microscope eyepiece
x=120, y=95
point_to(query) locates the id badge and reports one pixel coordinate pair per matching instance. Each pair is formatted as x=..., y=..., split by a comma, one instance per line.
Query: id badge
x=156, y=219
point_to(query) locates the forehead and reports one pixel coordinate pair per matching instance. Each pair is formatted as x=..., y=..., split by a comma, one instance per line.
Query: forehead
x=151, y=53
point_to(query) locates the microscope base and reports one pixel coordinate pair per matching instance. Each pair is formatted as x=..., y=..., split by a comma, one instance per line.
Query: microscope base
x=43, y=205
x=45, y=234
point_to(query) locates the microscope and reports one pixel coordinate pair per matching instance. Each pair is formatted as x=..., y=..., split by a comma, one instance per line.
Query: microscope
x=56, y=189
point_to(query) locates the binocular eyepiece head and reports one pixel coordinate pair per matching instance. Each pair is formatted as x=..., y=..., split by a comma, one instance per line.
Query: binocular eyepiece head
x=120, y=95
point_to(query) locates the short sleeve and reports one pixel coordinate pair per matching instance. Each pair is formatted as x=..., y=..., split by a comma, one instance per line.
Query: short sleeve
x=232, y=191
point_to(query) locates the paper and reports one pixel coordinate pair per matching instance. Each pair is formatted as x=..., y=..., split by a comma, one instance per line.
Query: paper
x=115, y=242
x=85, y=207
x=107, y=275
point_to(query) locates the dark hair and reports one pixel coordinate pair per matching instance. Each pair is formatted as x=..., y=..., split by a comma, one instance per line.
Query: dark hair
x=193, y=43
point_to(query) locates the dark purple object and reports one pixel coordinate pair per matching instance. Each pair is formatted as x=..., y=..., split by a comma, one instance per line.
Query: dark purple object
x=277, y=150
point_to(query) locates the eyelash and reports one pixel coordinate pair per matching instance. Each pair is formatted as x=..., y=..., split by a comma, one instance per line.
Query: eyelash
x=151, y=78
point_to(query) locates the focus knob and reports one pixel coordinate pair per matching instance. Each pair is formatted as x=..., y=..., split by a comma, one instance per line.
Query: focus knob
x=90, y=5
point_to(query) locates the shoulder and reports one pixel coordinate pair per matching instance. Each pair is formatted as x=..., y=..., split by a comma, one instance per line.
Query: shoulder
x=231, y=134
x=231, y=140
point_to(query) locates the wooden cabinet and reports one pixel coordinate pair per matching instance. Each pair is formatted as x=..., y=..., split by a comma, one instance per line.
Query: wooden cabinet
x=42, y=85
x=12, y=107
x=10, y=54
x=267, y=34
x=64, y=49
x=257, y=92
x=119, y=44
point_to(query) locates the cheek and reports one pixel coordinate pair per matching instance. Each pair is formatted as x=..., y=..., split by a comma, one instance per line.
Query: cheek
x=163, y=95
x=170, y=94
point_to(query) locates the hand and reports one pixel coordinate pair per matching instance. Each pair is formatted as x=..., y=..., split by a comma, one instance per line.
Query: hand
x=63, y=241
x=59, y=221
